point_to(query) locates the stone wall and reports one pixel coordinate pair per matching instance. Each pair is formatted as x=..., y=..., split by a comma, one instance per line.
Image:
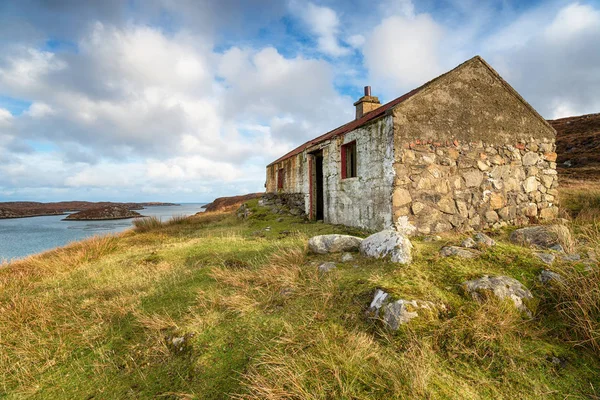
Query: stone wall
x=284, y=203
x=465, y=186
x=363, y=201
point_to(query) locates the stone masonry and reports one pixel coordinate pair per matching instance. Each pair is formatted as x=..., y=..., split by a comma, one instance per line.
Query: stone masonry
x=475, y=186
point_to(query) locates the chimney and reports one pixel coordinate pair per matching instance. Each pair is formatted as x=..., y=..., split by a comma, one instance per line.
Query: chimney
x=366, y=103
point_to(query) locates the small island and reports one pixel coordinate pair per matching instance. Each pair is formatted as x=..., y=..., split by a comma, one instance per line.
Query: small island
x=104, y=213
x=24, y=209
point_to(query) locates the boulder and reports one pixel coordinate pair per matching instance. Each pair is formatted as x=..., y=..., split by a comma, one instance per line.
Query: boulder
x=570, y=257
x=502, y=287
x=547, y=276
x=324, y=244
x=326, y=267
x=450, y=251
x=543, y=236
x=398, y=312
x=379, y=300
x=387, y=243
x=484, y=240
x=347, y=257
x=469, y=243
x=546, y=258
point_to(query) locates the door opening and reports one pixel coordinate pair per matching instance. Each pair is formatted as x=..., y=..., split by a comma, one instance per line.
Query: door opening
x=318, y=185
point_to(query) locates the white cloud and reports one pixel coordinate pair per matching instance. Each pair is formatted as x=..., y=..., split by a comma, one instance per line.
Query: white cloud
x=356, y=41
x=324, y=24
x=39, y=110
x=403, y=52
x=135, y=108
x=553, y=65
x=5, y=117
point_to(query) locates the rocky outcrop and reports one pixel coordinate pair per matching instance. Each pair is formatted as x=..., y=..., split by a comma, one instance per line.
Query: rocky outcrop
x=388, y=243
x=334, y=243
x=544, y=237
x=398, y=312
x=104, y=213
x=502, y=287
x=230, y=203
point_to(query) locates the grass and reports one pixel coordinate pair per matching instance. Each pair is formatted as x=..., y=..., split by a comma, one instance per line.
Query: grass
x=97, y=319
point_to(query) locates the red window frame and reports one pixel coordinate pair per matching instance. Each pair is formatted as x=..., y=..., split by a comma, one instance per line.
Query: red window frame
x=349, y=156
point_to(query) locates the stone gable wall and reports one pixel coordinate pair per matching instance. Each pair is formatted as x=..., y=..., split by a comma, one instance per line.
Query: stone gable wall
x=463, y=186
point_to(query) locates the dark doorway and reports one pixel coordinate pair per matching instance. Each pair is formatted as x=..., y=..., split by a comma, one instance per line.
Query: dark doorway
x=318, y=185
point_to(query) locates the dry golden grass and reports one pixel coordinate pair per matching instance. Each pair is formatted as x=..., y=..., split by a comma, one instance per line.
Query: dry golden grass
x=577, y=300
x=59, y=260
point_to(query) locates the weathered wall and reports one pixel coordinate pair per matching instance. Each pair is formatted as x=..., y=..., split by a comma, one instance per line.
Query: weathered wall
x=468, y=104
x=470, y=154
x=363, y=201
x=296, y=175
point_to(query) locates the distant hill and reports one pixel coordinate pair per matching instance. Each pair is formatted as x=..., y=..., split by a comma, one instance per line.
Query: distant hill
x=230, y=203
x=578, y=147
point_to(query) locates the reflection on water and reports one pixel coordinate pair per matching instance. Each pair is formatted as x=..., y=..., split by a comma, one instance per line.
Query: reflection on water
x=24, y=236
x=99, y=227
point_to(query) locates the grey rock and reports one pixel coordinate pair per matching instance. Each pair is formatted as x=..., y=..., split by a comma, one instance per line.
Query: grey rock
x=544, y=236
x=546, y=258
x=387, y=243
x=179, y=344
x=558, y=247
x=379, y=300
x=347, y=257
x=484, y=240
x=326, y=267
x=547, y=276
x=469, y=243
x=502, y=287
x=396, y=313
x=449, y=251
x=324, y=244
x=399, y=313
x=530, y=158
x=473, y=178
x=570, y=257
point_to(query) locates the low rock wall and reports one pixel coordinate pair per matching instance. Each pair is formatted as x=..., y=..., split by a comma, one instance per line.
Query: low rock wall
x=292, y=203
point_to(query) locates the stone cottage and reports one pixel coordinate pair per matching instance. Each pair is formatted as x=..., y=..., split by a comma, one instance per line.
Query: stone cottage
x=463, y=151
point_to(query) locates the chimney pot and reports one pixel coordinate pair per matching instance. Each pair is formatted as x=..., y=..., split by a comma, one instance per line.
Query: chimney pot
x=367, y=90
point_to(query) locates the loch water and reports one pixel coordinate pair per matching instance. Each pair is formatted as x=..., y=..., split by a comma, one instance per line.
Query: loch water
x=20, y=237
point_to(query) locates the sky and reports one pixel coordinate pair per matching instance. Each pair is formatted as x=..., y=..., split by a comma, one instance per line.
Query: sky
x=188, y=100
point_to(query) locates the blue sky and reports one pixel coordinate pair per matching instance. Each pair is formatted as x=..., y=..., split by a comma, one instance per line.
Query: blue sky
x=189, y=100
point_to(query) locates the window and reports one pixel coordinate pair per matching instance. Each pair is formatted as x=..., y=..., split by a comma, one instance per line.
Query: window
x=349, y=160
x=280, y=176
